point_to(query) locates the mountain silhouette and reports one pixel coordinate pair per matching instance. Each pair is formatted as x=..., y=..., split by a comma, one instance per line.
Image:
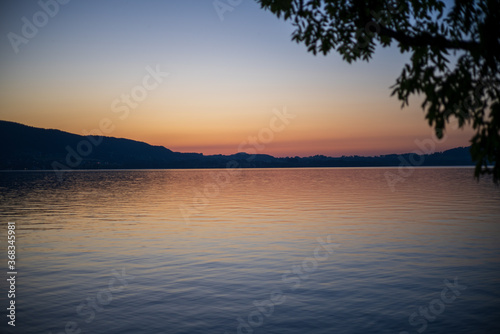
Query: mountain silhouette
x=30, y=148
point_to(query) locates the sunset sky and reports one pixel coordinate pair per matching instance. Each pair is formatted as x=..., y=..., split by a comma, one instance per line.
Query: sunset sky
x=225, y=79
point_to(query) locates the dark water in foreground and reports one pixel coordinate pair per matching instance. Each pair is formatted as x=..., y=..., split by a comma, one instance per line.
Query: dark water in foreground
x=259, y=251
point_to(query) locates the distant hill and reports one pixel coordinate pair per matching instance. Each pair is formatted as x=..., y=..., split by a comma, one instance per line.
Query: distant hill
x=25, y=147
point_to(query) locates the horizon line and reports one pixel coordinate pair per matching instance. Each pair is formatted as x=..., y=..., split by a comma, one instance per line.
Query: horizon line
x=243, y=152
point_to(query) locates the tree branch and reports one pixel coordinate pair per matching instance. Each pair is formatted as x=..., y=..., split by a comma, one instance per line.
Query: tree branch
x=426, y=39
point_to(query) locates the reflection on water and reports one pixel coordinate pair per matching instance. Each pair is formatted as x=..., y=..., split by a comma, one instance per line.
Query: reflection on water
x=265, y=251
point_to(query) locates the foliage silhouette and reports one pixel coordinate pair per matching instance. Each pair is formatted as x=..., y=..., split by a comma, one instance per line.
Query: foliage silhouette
x=454, y=56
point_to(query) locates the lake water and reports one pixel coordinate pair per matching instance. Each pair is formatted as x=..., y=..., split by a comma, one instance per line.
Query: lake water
x=253, y=251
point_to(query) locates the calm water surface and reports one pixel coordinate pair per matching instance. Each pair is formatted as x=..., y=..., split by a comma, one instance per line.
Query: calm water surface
x=255, y=251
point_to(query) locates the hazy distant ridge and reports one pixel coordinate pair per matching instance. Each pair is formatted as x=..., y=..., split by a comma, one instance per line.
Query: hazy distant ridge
x=26, y=147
